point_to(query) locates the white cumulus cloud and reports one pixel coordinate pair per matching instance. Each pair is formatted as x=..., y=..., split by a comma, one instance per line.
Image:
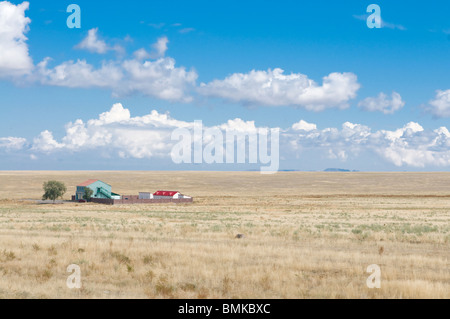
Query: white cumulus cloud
x=414, y=146
x=382, y=103
x=94, y=44
x=115, y=131
x=304, y=126
x=440, y=105
x=409, y=146
x=156, y=78
x=45, y=142
x=12, y=143
x=160, y=78
x=141, y=54
x=117, y=134
x=274, y=88
x=14, y=57
x=159, y=48
x=79, y=74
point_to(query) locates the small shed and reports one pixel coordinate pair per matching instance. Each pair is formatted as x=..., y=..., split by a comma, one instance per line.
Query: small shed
x=145, y=195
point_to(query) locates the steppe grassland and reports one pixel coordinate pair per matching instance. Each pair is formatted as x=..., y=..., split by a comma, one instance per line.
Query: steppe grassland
x=307, y=235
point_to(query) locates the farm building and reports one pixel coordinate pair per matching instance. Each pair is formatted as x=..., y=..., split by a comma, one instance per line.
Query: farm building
x=143, y=195
x=168, y=195
x=99, y=189
x=102, y=194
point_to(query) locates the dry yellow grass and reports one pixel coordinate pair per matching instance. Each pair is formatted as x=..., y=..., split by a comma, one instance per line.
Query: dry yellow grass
x=307, y=235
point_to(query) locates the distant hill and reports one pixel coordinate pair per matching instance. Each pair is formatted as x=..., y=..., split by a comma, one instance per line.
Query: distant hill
x=338, y=170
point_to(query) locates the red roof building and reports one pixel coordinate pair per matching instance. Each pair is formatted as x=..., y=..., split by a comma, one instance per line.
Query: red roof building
x=165, y=193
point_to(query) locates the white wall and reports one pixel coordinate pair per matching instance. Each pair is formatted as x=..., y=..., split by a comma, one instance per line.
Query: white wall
x=145, y=195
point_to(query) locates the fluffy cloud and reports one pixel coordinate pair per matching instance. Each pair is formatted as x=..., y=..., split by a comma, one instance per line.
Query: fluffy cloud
x=155, y=78
x=333, y=143
x=116, y=133
x=304, y=126
x=155, y=75
x=413, y=146
x=382, y=103
x=141, y=54
x=440, y=105
x=274, y=88
x=79, y=74
x=160, y=78
x=45, y=142
x=92, y=43
x=410, y=146
x=14, y=57
x=159, y=48
x=238, y=125
x=12, y=143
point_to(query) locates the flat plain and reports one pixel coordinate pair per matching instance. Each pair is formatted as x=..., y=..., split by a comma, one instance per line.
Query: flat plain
x=306, y=235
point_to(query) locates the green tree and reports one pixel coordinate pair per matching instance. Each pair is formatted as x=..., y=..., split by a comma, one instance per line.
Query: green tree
x=53, y=190
x=88, y=193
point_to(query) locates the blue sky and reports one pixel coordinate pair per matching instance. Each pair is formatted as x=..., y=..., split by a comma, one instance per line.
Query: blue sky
x=211, y=41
